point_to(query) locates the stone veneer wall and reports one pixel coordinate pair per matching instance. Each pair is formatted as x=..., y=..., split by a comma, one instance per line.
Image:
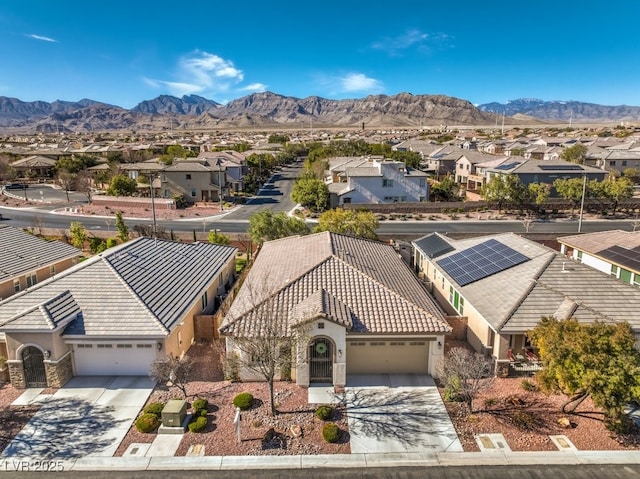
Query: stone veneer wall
x=16, y=374
x=59, y=372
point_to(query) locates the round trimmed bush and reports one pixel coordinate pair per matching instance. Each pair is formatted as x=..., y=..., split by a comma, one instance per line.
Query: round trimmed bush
x=243, y=401
x=202, y=412
x=200, y=404
x=324, y=412
x=331, y=432
x=198, y=425
x=154, y=408
x=147, y=422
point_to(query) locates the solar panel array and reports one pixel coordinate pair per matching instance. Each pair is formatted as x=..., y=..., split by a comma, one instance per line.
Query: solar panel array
x=480, y=261
x=627, y=258
x=560, y=167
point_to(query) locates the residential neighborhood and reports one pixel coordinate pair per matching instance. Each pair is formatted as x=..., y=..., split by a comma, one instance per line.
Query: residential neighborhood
x=319, y=342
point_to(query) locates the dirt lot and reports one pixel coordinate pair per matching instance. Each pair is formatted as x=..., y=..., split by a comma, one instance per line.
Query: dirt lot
x=220, y=438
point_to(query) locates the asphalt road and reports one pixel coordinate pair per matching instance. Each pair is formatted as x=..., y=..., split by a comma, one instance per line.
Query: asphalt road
x=431, y=472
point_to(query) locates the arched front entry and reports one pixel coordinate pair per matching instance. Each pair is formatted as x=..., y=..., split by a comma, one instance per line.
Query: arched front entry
x=321, y=361
x=33, y=364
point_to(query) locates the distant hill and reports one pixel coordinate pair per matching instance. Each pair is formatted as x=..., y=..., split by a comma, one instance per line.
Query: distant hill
x=566, y=111
x=255, y=110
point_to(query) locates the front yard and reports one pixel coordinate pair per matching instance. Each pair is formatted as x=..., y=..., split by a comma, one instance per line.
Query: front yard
x=526, y=418
x=297, y=430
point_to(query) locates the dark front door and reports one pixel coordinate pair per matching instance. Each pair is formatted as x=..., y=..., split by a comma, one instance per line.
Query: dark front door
x=33, y=363
x=321, y=361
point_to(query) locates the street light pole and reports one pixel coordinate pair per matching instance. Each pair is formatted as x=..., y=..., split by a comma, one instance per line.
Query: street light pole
x=154, y=230
x=584, y=190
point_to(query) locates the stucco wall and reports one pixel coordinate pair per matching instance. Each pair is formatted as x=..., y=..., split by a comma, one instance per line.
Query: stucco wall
x=42, y=273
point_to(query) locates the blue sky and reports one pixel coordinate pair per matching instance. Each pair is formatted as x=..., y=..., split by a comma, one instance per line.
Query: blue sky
x=124, y=52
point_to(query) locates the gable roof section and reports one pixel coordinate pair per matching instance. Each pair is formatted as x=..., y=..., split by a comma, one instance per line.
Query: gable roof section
x=591, y=294
x=321, y=303
x=618, y=247
x=433, y=245
x=143, y=287
x=381, y=293
x=49, y=315
x=22, y=252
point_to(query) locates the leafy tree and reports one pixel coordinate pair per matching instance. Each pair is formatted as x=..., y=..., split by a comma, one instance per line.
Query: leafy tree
x=77, y=234
x=445, y=190
x=503, y=188
x=267, y=226
x=122, y=185
x=575, y=153
x=466, y=373
x=75, y=164
x=97, y=245
x=123, y=229
x=539, y=193
x=278, y=138
x=617, y=190
x=570, y=189
x=216, y=237
x=175, y=151
x=598, y=360
x=311, y=193
x=362, y=224
x=633, y=174
x=518, y=151
x=176, y=372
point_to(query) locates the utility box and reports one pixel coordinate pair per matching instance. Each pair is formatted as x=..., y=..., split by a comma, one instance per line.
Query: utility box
x=174, y=413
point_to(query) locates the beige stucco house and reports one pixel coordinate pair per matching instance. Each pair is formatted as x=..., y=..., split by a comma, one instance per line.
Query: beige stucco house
x=351, y=305
x=503, y=284
x=114, y=313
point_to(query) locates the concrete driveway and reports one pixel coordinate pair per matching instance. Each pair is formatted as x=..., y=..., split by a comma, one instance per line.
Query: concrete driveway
x=89, y=416
x=397, y=413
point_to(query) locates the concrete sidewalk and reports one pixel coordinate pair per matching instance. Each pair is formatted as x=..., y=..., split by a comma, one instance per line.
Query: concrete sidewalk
x=346, y=461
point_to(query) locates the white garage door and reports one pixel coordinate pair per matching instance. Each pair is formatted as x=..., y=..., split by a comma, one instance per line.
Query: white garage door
x=129, y=359
x=409, y=356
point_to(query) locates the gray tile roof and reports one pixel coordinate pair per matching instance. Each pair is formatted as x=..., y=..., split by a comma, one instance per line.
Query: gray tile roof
x=48, y=315
x=594, y=295
x=433, y=245
x=363, y=171
x=143, y=287
x=381, y=293
x=22, y=252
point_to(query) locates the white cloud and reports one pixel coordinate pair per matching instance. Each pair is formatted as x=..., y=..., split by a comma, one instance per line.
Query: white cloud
x=205, y=74
x=40, y=37
x=413, y=38
x=358, y=82
x=254, y=87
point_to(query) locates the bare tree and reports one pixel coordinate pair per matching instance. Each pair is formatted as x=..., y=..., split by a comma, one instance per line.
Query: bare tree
x=67, y=180
x=172, y=371
x=266, y=345
x=466, y=373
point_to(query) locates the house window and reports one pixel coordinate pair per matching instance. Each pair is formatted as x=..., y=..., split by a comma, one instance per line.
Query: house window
x=579, y=256
x=451, y=294
x=52, y=270
x=193, y=192
x=442, y=285
x=205, y=300
x=612, y=163
x=422, y=182
x=16, y=285
x=188, y=176
x=625, y=275
x=346, y=200
x=387, y=183
x=614, y=270
x=320, y=325
x=624, y=162
x=397, y=343
x=461, y=306
x=31, y=280
x=125, y=346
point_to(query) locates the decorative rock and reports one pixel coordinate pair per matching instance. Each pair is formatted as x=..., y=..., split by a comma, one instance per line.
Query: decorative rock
x=566, y=422
x=296, y=431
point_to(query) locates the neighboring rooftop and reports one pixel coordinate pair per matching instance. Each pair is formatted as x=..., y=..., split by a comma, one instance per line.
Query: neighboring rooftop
x=22, y=252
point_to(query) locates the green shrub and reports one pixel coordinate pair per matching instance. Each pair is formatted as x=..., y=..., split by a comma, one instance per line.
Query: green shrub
x=200, y=404
x=202, y=412
x=198, y=425
x=324, y=412
x=331, y=432
x=147, y=422
x=243, y=401
x=528, y=385
x=154, y=408
x=452, y=390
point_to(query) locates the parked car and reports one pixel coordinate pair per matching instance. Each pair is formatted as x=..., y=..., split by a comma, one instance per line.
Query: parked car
x=16, y=186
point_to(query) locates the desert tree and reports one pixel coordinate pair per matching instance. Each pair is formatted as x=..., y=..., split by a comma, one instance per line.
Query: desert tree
x=267, y=226
x=173, y=371
x=77, y=234
x=260, y=339
x=597, y=360
x=466, y=374
x=362, y=224
x=575, y=154
x=218, y=237
x=123, y=229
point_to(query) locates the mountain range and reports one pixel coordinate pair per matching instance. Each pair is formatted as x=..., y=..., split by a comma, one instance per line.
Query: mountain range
x=266, y=109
